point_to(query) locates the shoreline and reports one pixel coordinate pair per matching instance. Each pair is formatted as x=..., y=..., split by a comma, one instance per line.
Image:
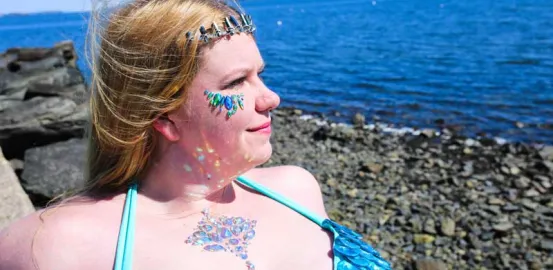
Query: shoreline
x=394, y=128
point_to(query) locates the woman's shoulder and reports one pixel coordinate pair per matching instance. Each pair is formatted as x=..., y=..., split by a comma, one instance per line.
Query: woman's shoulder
x=49, y=237
x=16, y=243
x=292, y=182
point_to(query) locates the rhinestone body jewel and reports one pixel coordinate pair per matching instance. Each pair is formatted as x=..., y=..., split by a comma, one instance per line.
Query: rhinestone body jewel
x=229, y=234
x=229, y=102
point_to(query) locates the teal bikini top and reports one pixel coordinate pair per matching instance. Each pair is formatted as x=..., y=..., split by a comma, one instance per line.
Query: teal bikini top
x=350, y=252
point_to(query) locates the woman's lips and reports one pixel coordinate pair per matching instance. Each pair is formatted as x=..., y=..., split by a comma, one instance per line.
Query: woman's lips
x=265, y=128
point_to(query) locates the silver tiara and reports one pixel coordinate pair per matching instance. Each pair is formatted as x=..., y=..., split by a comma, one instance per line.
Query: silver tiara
x=231, y=26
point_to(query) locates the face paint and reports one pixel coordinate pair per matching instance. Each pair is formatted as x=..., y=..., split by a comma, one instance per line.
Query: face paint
x=230, y=102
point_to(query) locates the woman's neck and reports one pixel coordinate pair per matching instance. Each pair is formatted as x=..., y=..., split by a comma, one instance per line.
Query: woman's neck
x=176, y=182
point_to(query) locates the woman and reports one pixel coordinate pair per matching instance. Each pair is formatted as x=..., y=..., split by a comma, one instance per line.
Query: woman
x=180, y=120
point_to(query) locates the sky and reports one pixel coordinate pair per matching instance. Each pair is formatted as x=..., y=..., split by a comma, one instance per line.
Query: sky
x=32, y=6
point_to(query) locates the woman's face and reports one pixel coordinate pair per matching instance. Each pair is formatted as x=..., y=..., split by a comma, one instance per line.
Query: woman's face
x=220, y=147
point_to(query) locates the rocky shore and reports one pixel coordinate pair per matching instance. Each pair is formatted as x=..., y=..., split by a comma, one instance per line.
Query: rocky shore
x=427, y=199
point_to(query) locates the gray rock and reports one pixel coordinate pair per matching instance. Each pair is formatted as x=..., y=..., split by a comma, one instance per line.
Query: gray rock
x=531, y=193
x=430, y=226
x=358, y=119
x=373, y=167
x=429, y=133
x=428, y=264
x=503, y=227
x=547, y=152
x=54, y=169
x=522, y=182
x=40, y=120
x=547, y=244
x=14, y=203
x=17, y=164
x=39, y=71
x=29, y=60
x=447, y=226
x=548, y=165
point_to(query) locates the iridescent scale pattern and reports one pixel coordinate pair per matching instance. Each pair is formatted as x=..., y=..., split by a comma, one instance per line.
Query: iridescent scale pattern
x=353, y=252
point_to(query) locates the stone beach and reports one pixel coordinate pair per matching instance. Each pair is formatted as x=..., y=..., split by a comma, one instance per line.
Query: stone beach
x=427, y=199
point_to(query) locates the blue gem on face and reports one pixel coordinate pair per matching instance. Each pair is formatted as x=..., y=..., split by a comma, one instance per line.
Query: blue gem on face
x=234, y=241
x=231, y=103
x=228, y=103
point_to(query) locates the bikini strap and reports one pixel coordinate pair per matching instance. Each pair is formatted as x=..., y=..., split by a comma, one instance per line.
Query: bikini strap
x=125, y=242
x=281, y=199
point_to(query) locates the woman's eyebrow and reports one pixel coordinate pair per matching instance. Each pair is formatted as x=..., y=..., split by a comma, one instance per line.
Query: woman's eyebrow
x=242, y=71
x=234, y=72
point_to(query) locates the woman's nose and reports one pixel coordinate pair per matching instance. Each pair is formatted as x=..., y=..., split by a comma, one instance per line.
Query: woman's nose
x=267, y=100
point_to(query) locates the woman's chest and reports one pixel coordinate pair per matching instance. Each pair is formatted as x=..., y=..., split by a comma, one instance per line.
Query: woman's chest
x=281, y=240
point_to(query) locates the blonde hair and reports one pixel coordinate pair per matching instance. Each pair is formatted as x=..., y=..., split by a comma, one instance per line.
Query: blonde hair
x=142, y=65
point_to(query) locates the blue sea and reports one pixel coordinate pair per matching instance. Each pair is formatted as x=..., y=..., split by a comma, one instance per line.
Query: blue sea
x=482, y=65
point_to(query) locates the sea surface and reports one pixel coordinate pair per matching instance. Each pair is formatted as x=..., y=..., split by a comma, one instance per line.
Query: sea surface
x=479, y=65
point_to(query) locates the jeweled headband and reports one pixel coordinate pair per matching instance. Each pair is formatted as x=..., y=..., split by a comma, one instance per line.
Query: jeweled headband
x=230, y=27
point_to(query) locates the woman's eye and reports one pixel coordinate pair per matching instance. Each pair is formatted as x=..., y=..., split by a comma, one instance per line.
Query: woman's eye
x=235, y=83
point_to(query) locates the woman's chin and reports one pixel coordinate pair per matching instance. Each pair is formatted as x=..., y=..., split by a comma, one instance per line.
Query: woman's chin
x=261, y=154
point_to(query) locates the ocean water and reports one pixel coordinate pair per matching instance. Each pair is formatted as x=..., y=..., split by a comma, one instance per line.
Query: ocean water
x=482, y=65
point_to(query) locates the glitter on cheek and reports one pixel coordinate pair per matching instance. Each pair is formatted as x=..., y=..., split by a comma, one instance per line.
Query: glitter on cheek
x=222, y=181
x=199, y=149
x=187, y=168
x=201, y=158
x=209, y=150
x=208, y=176
x=217, y=163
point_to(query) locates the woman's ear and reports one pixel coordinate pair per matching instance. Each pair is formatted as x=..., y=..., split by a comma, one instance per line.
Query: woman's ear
x=166, y=128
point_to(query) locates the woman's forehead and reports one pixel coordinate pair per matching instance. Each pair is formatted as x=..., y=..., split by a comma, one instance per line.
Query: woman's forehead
x=239, y=51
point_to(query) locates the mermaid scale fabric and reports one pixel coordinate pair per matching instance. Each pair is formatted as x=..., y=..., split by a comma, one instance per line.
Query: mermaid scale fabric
x=350, y=252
